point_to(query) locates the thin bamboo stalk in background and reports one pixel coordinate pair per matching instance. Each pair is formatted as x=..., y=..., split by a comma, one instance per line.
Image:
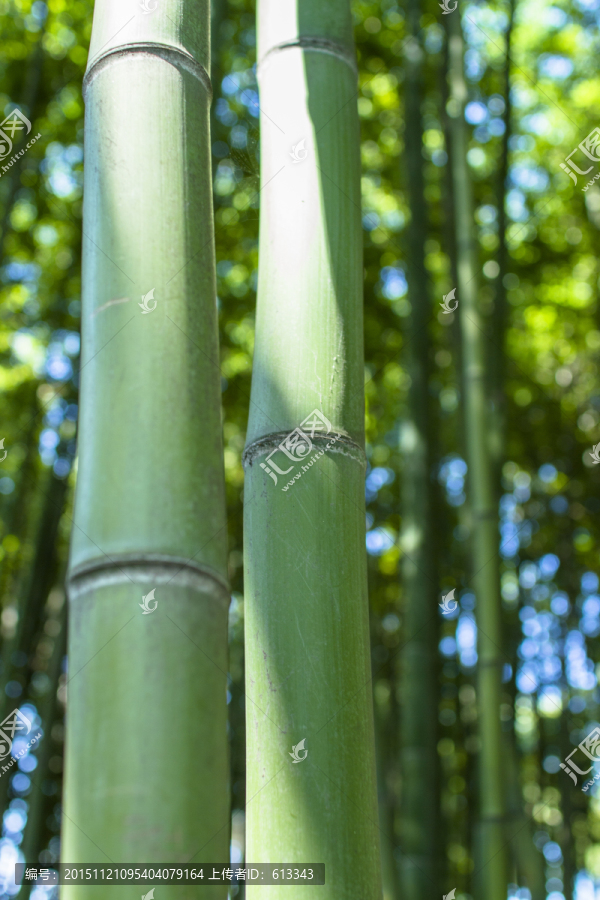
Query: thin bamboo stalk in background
x=11, y=181
x=146, y=773
x=567, y=844
x=306, y=619
x=17, y=650
x=499, y=317
x=418, y=689
x=47, y=707
x=384, y=747
x=20, y=504
x=490, y=851
x=528, y=861
x=218, y=10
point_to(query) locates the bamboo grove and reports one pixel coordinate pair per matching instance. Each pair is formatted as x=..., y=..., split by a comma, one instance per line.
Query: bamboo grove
x=396, y=204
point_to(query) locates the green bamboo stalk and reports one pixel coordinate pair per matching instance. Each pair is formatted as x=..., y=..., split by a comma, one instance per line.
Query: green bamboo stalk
x=499, y=318
x=528, y=860
x=146, y=766
x=11, y=179
x=47, y=711
x=40, y=575
x=35, y=592
x=307, y=632
x=491, y=857
x=418, y=683
x=568, y=808
x=385, y=798
x=19, y=506
x=218, y=10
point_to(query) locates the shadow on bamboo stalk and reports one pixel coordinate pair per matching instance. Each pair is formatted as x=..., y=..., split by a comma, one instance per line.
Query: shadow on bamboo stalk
x=307, y=634
x=146, y=773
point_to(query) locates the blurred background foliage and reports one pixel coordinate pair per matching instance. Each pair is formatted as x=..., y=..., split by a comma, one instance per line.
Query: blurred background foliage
x=549, y=499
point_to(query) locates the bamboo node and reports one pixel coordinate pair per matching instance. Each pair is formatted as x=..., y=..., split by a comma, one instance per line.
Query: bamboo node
x=270, y=442
x=146, y=568
x=316, y=45
x=175, y=56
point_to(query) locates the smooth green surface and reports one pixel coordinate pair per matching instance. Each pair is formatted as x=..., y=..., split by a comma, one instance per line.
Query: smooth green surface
x=147, y=766
x=308, y=677
x=181, y=24
x=308, y=350
x=491, y=876
x=150, y=432
x=306, y=619
x=418, y=660
x=147, y=759
x=289, y=20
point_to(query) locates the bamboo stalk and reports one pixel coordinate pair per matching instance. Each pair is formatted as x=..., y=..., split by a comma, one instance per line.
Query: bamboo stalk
x=17, y=650
x=12, y=178
x=419, y=869
x=218, y=11
x=499, y=318
x=491, y=856
x=568, y=808
x=385, y=798
x=307, y=634
x=146, y=768
x=528, y=861
x=20, y=507
x=47, y=710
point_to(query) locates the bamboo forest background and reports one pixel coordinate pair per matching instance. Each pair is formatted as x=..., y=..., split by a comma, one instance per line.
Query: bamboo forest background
x=537, y=240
